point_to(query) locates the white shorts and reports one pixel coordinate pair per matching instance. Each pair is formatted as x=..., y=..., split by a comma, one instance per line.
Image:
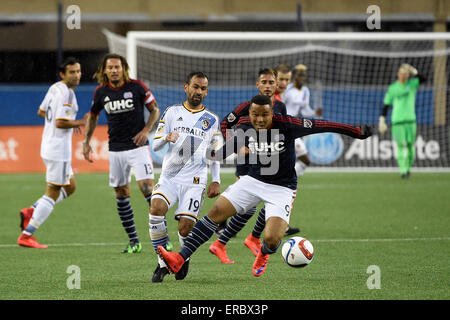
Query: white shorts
x=121, y=163
x=58, y=172
x=189, y=198
x=300, y=148
x=248, y=192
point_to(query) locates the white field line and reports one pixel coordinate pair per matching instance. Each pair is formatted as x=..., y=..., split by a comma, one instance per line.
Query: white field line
x=105, y=244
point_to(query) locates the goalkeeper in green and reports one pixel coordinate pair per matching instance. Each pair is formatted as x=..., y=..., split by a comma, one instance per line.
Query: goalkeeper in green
x=402, y=96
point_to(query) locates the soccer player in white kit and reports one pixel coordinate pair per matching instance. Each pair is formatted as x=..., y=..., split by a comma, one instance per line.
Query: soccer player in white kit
x=59, y=109
x=190, y=130
x=297, y=100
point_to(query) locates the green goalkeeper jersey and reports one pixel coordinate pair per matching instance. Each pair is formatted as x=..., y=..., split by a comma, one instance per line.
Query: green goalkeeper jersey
x=402, y=97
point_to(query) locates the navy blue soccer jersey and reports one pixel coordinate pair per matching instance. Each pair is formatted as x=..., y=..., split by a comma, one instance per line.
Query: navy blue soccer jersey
x=242, y=110
x=273, y=150
x=124, y=107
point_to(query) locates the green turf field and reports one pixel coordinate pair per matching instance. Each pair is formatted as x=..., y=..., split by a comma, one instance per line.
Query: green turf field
x=354, y=220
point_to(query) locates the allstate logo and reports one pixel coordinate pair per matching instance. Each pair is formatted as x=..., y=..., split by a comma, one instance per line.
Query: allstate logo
x=324, y=148
x=157, y=156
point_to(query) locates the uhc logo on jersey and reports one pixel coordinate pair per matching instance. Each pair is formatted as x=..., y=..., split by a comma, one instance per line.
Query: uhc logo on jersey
x=265, y=147
x=119, y=106
x=205, y=122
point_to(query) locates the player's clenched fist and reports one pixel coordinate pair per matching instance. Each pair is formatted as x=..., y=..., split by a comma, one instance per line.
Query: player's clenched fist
x=172, y=137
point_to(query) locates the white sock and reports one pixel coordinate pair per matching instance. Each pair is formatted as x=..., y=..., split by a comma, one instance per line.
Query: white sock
x=158, y=233
x=181, y=239
x=42, y=211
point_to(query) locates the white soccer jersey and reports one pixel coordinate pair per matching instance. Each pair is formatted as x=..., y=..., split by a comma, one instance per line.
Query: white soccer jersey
x=59, y=103
x=297, y=102
x=185, y=161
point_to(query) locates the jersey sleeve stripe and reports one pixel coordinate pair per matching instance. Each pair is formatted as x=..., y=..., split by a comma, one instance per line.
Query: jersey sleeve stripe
x=243, y=120
x=321, y=124
x=241, y=107
x=149, y=98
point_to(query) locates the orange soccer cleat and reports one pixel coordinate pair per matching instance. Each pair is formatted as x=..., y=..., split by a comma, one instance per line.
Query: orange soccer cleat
x=254, y=244
x=260, y=264
x=30, y=241
x=25, y=216
x=220, y=250
x=174, y=261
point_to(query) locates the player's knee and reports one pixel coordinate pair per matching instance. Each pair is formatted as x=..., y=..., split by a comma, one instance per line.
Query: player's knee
x=158, y=207
x=70, y=189
x=185, y=226
x=216, y=214
x=146, y=187
x=305, y=159
x=122, y=192
x=221, y=210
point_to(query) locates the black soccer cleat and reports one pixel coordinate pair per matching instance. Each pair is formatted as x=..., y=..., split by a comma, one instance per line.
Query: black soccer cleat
x=290, y=231
x=159, y=274
x=183, y=271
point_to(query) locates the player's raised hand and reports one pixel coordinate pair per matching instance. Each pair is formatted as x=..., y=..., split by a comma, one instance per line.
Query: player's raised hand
x=172, y=137
x=213, y=190
x=382, y=126
x=366, y=131
x=87, y=150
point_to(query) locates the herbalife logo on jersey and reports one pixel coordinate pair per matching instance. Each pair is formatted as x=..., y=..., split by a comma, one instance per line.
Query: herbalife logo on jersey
x=119, y=106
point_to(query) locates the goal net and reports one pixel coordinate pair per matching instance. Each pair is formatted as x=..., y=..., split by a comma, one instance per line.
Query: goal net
x=348, y=75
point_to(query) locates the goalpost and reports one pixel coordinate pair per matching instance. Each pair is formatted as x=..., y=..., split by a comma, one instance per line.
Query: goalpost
x=348, y=75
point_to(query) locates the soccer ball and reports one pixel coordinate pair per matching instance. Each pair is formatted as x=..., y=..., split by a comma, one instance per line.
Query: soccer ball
x=297, y=252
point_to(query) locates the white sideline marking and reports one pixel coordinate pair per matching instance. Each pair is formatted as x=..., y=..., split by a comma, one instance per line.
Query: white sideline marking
x=97, y=244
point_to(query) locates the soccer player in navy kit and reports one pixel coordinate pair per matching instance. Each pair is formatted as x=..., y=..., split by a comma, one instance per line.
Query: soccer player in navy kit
x=267, y=85
x=124, y=100
x=271, y=135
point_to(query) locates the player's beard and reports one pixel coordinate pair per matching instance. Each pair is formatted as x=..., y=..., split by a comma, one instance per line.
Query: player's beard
x=195, y=101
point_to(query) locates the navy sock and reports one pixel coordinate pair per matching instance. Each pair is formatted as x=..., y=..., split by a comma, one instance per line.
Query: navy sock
x=260, y=223
x=265, y=249
x=202, y=232
x=236, y=224
x=149, y=199
x=127, y=218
